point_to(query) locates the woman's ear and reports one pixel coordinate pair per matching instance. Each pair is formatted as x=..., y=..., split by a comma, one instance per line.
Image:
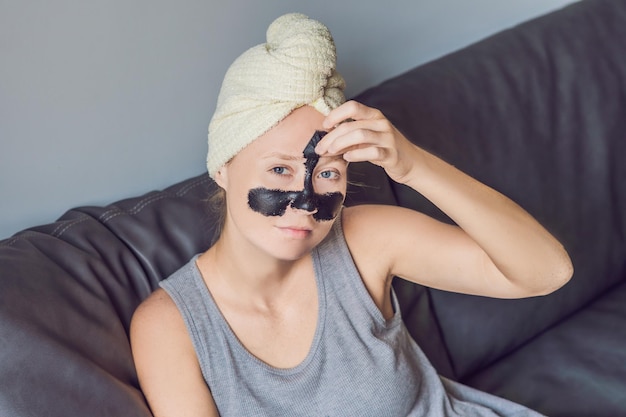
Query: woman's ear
x=221, y=177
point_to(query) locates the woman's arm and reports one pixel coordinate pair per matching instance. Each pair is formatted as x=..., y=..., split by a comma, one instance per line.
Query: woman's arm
x=498, y=248
x=166, y=363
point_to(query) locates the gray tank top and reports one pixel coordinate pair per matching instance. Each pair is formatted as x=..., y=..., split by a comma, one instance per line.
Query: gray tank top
x=359, y=363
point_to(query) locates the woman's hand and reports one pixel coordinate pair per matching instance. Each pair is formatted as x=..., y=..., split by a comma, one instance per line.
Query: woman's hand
x=363, y=133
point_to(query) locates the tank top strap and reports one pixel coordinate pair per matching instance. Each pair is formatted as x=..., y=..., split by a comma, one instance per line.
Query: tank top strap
x=346, y=288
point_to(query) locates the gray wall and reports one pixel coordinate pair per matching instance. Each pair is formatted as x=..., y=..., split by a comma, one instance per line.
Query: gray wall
x=106, y=99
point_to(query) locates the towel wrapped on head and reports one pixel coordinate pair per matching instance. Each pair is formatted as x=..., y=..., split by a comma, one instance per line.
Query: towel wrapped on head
x=296, y=67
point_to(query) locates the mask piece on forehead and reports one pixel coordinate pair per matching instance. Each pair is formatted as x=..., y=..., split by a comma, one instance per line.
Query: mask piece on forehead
x=275, y=202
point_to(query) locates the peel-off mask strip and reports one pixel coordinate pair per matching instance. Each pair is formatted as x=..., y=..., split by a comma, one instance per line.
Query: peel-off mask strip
x=275, y=202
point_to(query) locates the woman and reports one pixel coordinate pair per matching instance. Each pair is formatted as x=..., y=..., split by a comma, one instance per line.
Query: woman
x=291, y=311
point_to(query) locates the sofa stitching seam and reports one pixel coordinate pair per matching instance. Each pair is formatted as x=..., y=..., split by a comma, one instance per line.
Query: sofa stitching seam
x=108, y=215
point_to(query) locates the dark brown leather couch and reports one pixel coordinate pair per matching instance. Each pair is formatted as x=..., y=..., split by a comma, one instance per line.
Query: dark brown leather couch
x=537, y=112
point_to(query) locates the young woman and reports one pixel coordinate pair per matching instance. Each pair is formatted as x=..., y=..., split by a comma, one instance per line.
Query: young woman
x=291, y=311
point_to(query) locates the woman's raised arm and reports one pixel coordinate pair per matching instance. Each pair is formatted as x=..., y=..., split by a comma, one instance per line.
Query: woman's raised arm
x=497, y=250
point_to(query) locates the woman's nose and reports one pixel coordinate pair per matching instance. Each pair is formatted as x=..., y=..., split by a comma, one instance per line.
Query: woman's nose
x=305, y=201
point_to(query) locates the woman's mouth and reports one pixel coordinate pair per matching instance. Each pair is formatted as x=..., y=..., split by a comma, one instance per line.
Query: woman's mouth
x=295, y=232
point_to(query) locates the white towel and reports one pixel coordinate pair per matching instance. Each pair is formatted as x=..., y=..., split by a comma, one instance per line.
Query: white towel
x=296, y=67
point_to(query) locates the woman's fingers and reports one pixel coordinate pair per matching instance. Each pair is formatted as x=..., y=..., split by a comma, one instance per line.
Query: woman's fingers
x=371, y=154
x=347, y=136
x=350, y=110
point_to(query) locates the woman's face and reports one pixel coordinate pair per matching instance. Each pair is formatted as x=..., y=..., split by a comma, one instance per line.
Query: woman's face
x=280, y=198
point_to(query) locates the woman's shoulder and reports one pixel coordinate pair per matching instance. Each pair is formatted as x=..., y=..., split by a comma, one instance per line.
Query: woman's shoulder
x=362, y=223
x=381, y=234
x=157, y=303
x=371, y=227
x=375, y=220
x=158, y=311
x=165, y=360
x=157, y=318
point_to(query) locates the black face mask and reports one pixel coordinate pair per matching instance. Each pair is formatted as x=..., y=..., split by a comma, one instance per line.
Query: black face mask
x=275, y=202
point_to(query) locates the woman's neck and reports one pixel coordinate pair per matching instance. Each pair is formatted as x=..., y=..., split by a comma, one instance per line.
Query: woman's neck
x=237, y=270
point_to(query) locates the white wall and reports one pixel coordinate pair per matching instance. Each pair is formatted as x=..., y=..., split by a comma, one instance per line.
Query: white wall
x=107, y=99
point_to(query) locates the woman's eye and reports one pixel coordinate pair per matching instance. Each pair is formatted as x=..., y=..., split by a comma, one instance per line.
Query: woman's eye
x=279, y=170
x=329, y=175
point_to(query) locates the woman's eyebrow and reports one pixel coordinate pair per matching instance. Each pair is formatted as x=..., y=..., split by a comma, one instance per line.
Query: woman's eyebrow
x=297, y=158
x=284, y=156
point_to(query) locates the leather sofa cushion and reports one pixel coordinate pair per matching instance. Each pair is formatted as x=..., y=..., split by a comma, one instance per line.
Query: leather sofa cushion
x=581, y=364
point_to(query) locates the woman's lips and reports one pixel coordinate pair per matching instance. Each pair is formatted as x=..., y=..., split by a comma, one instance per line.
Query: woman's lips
x=295, y=232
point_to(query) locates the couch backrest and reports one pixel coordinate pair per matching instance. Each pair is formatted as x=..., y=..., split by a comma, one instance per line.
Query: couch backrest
x=67, y=294
x=539, y=113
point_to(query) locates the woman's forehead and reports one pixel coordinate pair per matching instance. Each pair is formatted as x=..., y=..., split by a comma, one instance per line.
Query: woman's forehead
x=301, y=122
x=289, y=138
x=286, y=144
